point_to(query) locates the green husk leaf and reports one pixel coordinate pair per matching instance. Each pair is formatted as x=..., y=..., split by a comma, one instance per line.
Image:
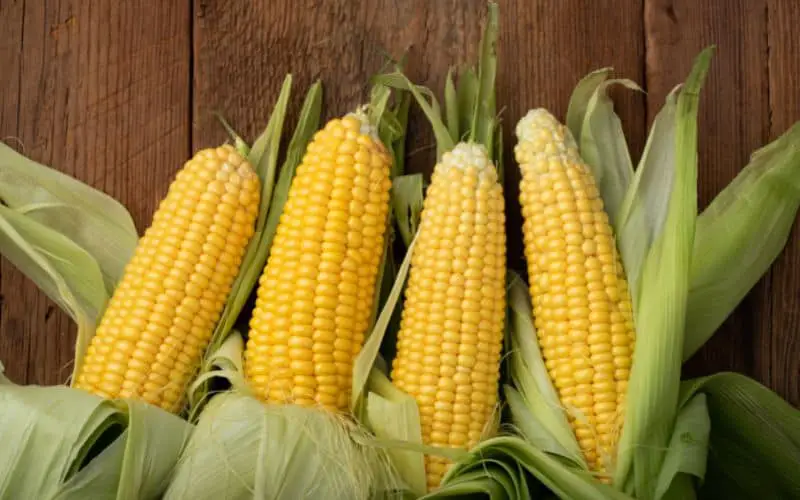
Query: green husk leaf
x=489, y=482
x=307, y=125
x=60, y=268
x=603, y=147
x=660, y=312
x=392, y=125
x=264, y=153
x=530, y=427
x=467, y=97
x=754, y=443
x=226, y=362
x=155, y=441
x=484, y=113
x=535, y=407
x=365, y=360
x=270, y=207
x=407, y=201
x=51, y=424
x=243, y=449
x=93, y=220
x=740, y=234
x=644, y=210
x=451, y=107
x=561, y=479
x=391, y=414
x=100, y=478
x=63, y=443
x=398, y=146
x=579, y=100
x=431, y=109
x=498, y=154
x=379, y=100
x=687, y=452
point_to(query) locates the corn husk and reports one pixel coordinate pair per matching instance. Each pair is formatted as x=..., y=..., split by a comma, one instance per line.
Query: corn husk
x=63, y=443
x=63, y=270
x=656, y=210
x=244, y=449
x=598, y=130
x=740, y=234
x=70, y=266
x=540, y=443
x=660, y=299
x=93, y=220
x=70, y=239
x=686, y=276
x=754, y=440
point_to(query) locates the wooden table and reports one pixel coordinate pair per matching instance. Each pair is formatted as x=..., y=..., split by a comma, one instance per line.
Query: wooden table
x=120, y=92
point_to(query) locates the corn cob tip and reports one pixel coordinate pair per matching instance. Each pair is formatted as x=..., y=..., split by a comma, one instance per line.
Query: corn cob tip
x=540, y=131
x=366, y=127
x=465, y=156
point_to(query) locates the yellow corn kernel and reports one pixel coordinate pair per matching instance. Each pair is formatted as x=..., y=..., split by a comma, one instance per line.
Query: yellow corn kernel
x=154, y=330
x=451, y=330
x=315, y=295
x=568, y=239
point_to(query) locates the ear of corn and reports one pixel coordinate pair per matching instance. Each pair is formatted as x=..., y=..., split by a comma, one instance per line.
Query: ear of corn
x=451, y=331
x=158, y=322
x=581, y=302
x=315, y=295
x=453, y=318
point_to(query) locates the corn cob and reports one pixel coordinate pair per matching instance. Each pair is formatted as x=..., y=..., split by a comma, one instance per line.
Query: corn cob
x=160, y=318
x=452, y=324
x=581, y=302
x=315, y=295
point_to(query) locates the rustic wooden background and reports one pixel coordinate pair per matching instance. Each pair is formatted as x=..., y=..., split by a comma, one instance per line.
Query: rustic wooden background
x=120, y=92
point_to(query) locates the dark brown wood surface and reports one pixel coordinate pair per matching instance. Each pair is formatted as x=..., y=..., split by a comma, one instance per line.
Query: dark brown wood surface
x=119, y=94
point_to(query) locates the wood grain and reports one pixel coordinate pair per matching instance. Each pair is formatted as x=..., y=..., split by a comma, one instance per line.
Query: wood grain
x=119, y=93
x=14, y=342
x=546, y=48
x=244, y=49
x=734, y=120
x=778, y=355
x=243, y=52
x=103, y=96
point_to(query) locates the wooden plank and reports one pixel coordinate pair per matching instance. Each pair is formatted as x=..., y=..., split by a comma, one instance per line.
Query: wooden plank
x=14, y=343
x=734, y=114
x=546, y=48
x=243, y=51
x=778, y=356
x=104, y=96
